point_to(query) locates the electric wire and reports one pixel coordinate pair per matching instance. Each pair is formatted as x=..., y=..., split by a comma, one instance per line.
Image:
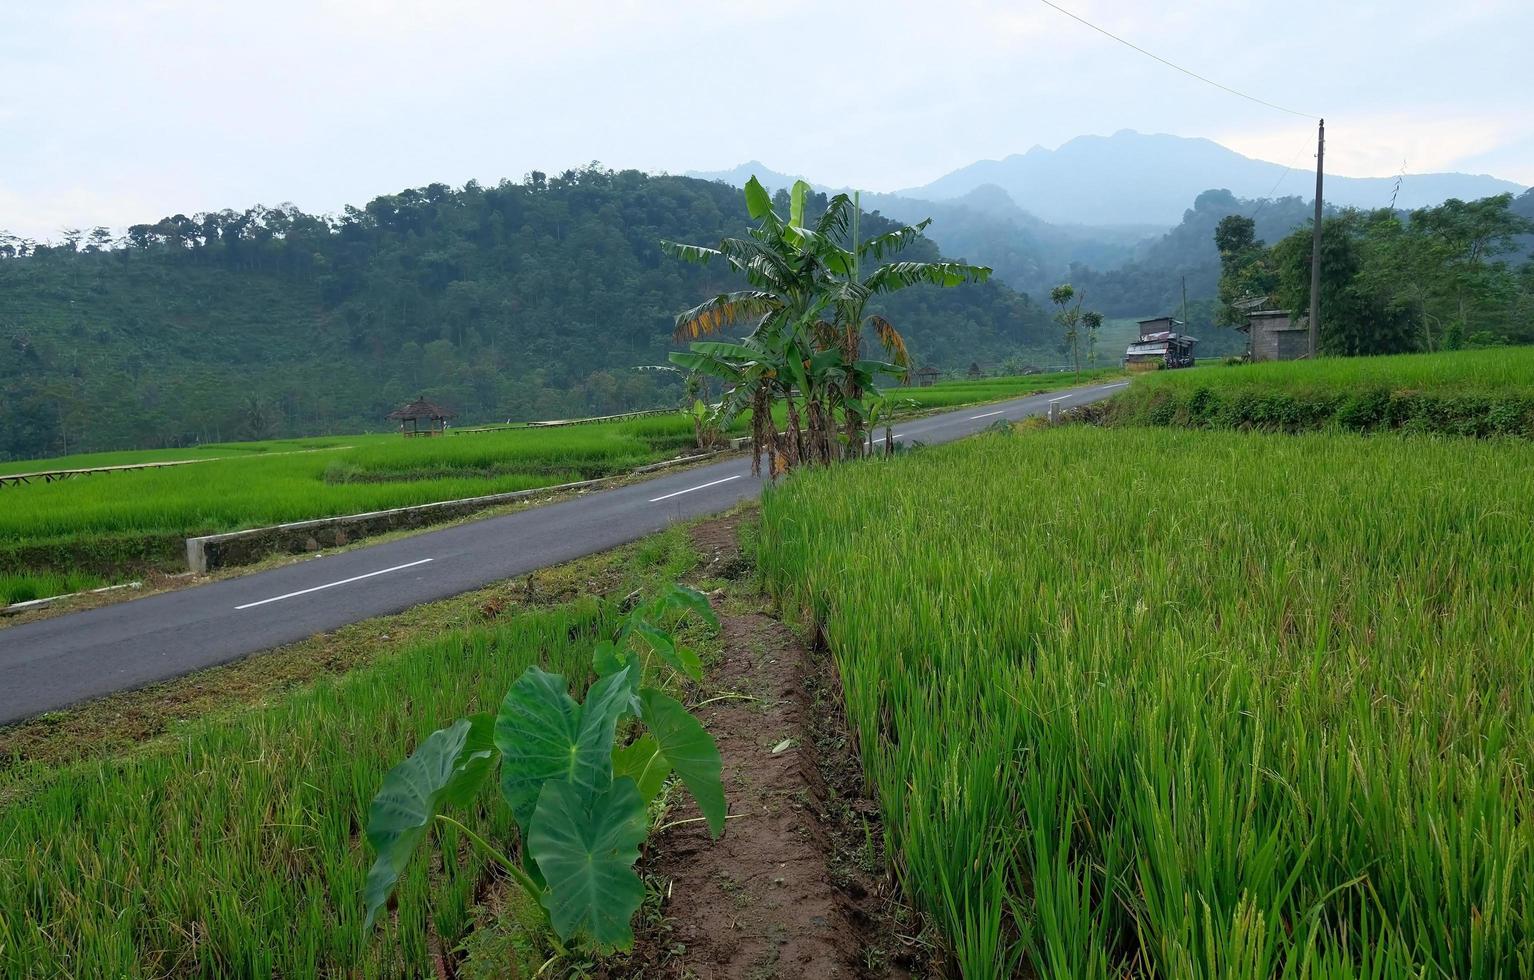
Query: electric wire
x=1177, y=67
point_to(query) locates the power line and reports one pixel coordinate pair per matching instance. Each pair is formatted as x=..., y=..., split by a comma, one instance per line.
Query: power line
x=1264, y=202
x=1190, y=74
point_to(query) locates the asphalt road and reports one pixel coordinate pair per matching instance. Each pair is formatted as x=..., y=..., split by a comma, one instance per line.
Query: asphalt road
x=57, y=662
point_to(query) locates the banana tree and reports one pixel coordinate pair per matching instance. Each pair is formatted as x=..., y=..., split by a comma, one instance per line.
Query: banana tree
x=785, y=264
x=806, y=314
x=853, y=290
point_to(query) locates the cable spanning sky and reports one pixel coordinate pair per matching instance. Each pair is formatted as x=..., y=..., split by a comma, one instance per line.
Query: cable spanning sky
x=119, y=111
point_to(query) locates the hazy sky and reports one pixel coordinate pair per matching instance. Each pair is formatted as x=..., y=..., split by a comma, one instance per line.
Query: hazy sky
x=117, y=111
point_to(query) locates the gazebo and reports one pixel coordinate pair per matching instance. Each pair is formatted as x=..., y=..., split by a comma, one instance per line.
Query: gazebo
x=924, y=377
x=421, y=418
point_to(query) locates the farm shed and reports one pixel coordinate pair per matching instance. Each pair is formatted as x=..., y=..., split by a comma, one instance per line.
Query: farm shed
x=1159, y=346
x=421, y=418
x=1277, y=336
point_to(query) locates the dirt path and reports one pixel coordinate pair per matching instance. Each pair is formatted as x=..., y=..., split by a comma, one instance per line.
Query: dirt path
x=795, y=887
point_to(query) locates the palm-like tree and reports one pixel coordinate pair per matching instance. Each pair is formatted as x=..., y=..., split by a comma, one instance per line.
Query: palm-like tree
x=806, y=310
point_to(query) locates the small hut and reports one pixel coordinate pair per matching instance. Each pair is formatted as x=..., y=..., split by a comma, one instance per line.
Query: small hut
x=421, y=418
x=925, y=376
x=1160, y=346
x=1277, y=336
x=974, y=370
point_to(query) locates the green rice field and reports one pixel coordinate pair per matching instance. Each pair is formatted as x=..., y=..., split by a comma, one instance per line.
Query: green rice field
x=234, y=847
x=1472, y=393
x=1157, y=703
x=111, y=526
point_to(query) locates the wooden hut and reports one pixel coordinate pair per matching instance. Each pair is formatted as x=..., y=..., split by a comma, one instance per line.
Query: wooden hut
x=1160, y=346
x=421, y=418
x=925, y=377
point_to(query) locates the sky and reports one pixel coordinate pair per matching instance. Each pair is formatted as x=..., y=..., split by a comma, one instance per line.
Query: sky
x=119, y=111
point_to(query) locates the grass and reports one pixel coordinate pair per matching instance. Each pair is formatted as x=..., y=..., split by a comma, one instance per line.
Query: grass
x=1477, y=393
x=947, y=394
x=118, y=525
x=231, y=846
x=25, y=588
x=1144, y=702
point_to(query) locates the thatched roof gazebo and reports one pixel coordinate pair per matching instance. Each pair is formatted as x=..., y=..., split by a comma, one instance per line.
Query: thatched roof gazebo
x=421, y=418
x=924, y=377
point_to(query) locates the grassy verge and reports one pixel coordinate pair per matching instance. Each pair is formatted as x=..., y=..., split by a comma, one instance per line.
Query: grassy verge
x=26, y=587
x=1150, y=703
x=122, y=525
x=1468, y=393
x=221, y=834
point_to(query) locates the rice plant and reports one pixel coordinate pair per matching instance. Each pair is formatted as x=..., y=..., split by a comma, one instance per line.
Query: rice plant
x=1149, y=702
x=1470, y=393
x=236, y=847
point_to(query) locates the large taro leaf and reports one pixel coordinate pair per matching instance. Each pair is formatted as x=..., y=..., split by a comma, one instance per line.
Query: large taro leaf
x=544, y=734
x=641, y=761
x=690, y=750
x=448, y=767
x=586, y=846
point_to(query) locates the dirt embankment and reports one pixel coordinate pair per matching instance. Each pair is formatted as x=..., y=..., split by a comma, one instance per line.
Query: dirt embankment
x=796, y=887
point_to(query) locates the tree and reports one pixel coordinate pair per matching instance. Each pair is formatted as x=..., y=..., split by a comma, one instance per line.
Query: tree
x=806, y=314
x=1068, y=315
x=1093, y=322
x=1246, y=275
x=1359, y=318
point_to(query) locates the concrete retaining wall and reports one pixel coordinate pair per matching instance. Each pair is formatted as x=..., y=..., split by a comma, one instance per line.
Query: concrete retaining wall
x=203, y=554
x=212, y=551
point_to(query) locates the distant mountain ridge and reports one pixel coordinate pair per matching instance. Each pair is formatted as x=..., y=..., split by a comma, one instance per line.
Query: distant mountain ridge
x=1139, y=178
x=1149, y=179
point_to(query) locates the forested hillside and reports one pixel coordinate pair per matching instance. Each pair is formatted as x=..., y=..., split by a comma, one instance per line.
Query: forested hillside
x=525, y=300
x=1152, y=282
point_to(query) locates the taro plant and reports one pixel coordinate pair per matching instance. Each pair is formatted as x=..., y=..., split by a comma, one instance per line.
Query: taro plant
x=581, y=802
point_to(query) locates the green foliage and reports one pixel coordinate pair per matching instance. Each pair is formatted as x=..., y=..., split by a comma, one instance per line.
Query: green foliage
x=448, y=768
x=1430, y=280
x=1463, y=393
x=804, y=321
x=1189, y=704
x=586, y=846
x=579, y=801
x=523, y=300
x=1151, y=283
x=1073, y=320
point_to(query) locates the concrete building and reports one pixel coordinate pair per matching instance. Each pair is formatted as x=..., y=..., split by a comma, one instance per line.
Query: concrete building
x=1277, y=336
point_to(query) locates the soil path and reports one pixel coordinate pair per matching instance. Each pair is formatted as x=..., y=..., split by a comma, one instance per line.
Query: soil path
x=794, y=888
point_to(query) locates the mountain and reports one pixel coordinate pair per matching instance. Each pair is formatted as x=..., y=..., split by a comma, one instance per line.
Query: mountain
x=771, y=179
x=524, y=300
x=983, y=225
x=1137, y=178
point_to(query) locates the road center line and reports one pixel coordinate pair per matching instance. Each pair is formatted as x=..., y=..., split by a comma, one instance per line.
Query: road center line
x=1060, y=399
x=1121, y=384
x=898, y=435
x=987, y=414
x=668, y=496
x=331, y=585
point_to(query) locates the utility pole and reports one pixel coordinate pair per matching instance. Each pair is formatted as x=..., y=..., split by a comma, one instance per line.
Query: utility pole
x=1315, y=245
x=1185, y=303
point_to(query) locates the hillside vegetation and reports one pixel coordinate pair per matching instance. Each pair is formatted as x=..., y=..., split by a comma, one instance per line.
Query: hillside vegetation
x=1144, y=703
x=525, y=300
